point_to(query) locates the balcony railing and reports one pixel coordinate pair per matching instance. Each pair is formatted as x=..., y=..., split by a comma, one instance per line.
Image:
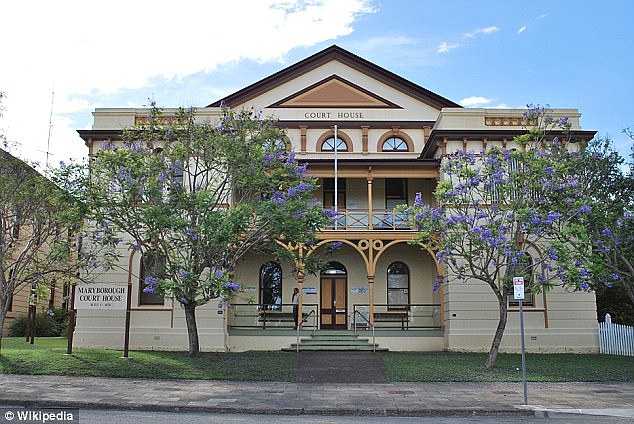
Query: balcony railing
x=363, y=219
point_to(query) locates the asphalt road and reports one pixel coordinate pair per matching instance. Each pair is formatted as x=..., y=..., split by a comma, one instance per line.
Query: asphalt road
x=91, y=416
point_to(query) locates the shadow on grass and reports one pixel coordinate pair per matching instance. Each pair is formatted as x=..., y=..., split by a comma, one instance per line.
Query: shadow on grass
x=449, y=366
x=240, y=366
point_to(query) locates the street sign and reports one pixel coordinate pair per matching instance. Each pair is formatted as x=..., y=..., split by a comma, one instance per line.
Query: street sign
x=518, y=288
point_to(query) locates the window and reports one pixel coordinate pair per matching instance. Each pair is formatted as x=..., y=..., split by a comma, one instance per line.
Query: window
x=395, y=192
x=394, y=144
x=398, y=286
x=328, y=187
x=329, y=145
x=271, y=285
x=51, y=299
x=334, y=268
x=152, y=265
x=11, y=297
x=277, y=145
x=522, y=268
x=66, y=295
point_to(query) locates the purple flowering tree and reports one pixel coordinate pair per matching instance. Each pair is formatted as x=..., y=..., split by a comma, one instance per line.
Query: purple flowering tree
x=195, y=196
x=495, y=221
x=610, y=224
x=40, y=230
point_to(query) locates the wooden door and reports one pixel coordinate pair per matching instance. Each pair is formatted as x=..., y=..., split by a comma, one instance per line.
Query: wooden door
x=334, y=309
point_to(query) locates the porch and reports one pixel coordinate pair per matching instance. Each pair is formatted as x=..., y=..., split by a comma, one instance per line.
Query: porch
x=404, y=317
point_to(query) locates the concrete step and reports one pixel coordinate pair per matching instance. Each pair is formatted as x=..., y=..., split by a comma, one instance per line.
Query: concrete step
x=333, y=348
x=335, y=337
x=334, y=340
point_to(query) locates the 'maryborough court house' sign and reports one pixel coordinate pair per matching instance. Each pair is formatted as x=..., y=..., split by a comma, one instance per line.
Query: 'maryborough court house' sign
x=101, y=296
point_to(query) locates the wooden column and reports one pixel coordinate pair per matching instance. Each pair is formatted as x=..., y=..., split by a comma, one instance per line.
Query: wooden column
x=300, y=286
x=370, y=177
x=371, y=297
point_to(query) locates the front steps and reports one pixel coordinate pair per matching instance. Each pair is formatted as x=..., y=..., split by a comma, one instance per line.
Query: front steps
x=333, y=340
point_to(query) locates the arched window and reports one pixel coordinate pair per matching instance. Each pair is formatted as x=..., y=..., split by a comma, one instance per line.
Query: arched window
x=271, y=285
x=275, y=145
x=334, y=268
x=394, y=144
x=152, y=265
x=329, y=145
x=522, y=268
x=398, y=286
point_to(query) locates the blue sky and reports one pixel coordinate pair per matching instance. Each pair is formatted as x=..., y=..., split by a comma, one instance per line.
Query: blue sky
x=567, y=54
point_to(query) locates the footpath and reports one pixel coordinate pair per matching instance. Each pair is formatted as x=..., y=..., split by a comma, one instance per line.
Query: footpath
x=321, y=388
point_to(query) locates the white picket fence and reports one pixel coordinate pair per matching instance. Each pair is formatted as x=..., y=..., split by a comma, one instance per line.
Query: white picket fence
x=616, y=339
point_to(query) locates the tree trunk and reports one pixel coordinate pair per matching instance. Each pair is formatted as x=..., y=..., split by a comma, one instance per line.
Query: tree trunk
x=192, y=329
x=4, y=308
x=2, y=315
x=499, y=332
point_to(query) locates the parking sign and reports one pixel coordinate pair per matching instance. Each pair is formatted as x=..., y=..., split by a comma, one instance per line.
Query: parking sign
x=518, y=288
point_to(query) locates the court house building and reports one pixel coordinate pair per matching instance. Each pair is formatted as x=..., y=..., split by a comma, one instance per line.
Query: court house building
x=378, y=288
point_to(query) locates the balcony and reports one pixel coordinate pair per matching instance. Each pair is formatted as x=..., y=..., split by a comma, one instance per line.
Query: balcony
x=365, y=219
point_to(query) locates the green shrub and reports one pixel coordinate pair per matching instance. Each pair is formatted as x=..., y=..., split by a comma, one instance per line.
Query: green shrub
x=61, y=317
x=52, y=323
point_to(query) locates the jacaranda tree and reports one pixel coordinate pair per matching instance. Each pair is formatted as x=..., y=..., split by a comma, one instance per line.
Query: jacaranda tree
x=610, y=223
x=193, y=197
x=494, y=220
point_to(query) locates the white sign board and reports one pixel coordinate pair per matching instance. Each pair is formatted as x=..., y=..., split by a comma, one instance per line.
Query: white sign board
x=518, y=288
x=309, y=290
x=358, y=290
x=101, y=296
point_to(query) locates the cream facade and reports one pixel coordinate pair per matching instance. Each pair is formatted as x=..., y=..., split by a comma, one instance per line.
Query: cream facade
x=391, y=135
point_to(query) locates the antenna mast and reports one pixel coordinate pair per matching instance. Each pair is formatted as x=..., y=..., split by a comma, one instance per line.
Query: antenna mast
x=50, y=129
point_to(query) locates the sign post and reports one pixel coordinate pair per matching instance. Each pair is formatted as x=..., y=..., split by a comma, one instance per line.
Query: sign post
x=518, y=294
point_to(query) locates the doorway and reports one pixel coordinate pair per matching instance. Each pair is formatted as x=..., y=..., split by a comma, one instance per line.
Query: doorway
x=334, y=300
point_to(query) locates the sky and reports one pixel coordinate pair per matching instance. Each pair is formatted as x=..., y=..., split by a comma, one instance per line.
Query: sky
x=62, y=59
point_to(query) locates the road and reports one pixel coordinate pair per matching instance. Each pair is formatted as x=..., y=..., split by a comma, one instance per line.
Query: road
x=142, y=417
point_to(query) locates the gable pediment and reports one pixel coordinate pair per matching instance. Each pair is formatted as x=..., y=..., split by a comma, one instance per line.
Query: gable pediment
x=334, y=92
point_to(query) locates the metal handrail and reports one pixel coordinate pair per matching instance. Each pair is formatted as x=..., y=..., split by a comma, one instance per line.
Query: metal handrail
x=432, y=312
x=369, y=324
x=301, y=324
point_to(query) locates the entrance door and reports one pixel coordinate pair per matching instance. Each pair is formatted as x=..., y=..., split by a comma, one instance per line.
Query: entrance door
x=334, y=311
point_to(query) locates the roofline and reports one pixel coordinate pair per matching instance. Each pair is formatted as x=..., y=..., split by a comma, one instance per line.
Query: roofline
x=432, y=143
x=335, y=52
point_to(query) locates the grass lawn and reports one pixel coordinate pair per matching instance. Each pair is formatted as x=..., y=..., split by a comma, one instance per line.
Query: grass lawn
x=47, y=356
x=448, y=366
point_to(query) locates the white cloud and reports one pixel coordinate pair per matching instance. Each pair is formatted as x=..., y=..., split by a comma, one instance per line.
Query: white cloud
x=475, y=101
x=73, y=48
x=444, y=47
x=522, y=29
x=386, y=42
x=486, y=31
